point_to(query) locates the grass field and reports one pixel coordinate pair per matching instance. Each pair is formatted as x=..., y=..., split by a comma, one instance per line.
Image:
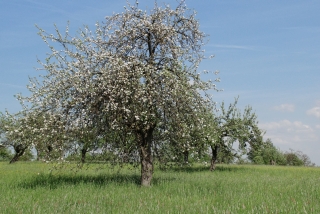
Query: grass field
x=28, y=187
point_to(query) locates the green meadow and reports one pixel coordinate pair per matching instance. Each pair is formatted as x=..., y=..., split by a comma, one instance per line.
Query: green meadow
x=30, y=187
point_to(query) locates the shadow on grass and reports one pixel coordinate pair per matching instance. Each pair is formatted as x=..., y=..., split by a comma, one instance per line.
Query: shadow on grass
x=56, y=181
x=219, y=168
x=231, y=168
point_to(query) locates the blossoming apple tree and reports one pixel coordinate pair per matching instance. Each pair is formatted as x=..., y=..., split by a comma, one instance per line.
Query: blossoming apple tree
x=137, y=72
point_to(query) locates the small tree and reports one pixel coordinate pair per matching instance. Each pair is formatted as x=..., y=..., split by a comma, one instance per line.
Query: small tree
x=134, y=74
x=31, y=128
x=297, y=158
x=293, y=159
x=233, y=126
x=266, y=153
x=305, y=158
x=5, y=154
x=9, y=126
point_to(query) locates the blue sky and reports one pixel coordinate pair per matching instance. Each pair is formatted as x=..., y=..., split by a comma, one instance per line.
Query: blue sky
x=267, y=52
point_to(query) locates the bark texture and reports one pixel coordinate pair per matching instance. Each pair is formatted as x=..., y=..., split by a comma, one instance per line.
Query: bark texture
x=145, y=140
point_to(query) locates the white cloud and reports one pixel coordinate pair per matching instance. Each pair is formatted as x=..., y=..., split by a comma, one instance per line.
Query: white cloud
x=290, y=133
x=315, y=111
x=296, y=135
x=285, y=107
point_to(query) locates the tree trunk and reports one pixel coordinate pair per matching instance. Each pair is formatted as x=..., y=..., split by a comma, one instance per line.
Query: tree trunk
x=19, y=149
x=15, y=158
x=83, y=155
x=200, y=154
x=145, y=140
x=214, y=157
x=186, y=156
x=48, y=151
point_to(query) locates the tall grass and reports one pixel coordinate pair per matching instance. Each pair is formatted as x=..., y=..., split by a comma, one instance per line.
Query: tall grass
x=31, y=188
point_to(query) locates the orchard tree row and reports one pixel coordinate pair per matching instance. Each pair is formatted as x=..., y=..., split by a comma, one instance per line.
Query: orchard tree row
x=226, y=129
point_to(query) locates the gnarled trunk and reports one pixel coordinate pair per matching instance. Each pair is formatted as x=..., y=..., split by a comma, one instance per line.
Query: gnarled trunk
x=19, y=149
x=145, y=140
x=214, y=157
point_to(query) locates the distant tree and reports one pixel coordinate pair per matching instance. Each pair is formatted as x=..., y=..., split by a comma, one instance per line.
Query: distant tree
x=134, y=74
x=267, y=154
x=305, y=158
x=82, y=141
x=31, y=128
x=9, y=131
x=293, y=159
x=232, y=126
x=297, y=158
x=5, y=154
